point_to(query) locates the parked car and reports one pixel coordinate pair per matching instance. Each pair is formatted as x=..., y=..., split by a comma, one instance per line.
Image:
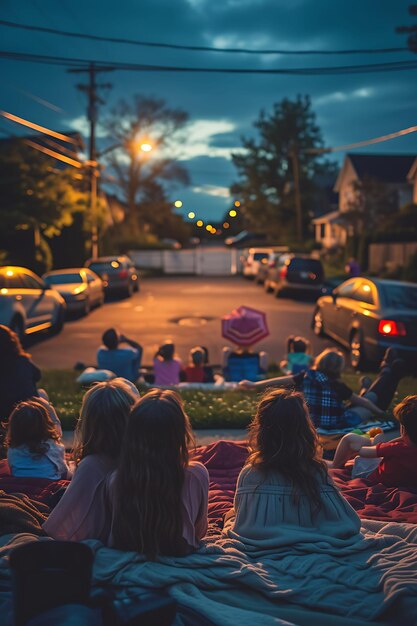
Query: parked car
x=80, y=287
x=253, y=259
x=27, y=304
x=294, y=272
x=264, y=268
x=117, y=273
x=368, y=316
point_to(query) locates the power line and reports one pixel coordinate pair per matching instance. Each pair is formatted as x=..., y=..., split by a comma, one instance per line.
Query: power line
x=172, y=46
x=394, y=66
x=367, y=142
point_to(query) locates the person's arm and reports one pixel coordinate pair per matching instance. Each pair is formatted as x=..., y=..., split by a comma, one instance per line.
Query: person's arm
x=281, y=381
x=367, y=404
x=131, y=343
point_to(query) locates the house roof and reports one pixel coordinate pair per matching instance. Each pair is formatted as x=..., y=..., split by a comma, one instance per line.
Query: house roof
x=390, y=168
x=334, y=217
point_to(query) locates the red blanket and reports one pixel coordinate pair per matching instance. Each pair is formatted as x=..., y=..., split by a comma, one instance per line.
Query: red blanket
x=224, y=460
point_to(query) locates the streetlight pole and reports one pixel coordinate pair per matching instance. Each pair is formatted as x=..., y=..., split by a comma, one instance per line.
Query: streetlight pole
x=297, y=193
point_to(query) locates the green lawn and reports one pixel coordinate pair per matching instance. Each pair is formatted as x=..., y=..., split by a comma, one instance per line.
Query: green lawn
x=207, y=409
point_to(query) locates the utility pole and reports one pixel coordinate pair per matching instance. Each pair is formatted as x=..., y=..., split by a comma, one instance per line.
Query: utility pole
x=297, y=193
x=91, y=89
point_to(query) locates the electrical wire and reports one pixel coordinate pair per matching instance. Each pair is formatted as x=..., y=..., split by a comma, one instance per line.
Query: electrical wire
x=80, y=64
x=172, y=46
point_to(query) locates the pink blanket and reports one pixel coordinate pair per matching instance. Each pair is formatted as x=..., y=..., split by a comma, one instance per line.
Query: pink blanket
x=224, y=460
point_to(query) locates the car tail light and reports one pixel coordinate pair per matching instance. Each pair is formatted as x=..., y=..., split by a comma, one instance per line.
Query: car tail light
x=283, y=272
x=123, y=274
x=391, y=328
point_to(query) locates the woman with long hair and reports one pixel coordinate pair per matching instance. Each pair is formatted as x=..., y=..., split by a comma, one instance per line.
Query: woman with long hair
x=159, y=497
x=284, y=494
x=18, y=375
x=82, y=513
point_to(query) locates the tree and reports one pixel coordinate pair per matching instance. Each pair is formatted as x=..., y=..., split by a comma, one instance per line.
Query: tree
x=140, y=177
x=286, y=149
x=36, y=196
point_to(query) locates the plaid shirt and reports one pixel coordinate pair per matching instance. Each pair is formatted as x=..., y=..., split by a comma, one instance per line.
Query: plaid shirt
x=326, y=409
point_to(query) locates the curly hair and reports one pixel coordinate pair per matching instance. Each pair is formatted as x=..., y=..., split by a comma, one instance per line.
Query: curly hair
x=406, y=413
x=283, y=439
x=149, y=480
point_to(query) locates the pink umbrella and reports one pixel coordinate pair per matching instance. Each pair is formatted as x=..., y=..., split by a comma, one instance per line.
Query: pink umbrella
x=245, y=326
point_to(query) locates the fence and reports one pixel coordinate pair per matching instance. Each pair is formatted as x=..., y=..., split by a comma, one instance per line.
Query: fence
x=202, y=261
x=390, y=255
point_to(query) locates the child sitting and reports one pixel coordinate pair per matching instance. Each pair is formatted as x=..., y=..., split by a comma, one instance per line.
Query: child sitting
x=194, y=372
x=33, y=441
x=397, y=466
x=298, y=357
x=166, y=366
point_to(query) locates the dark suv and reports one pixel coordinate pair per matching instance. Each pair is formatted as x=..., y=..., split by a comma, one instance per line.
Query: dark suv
x=291, y=273
x=117, y=273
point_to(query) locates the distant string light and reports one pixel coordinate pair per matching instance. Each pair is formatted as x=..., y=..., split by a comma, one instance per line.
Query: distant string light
x=200, y=223
x=232, y=213
x=191, y=215
x=226, y=225
x=178, y=204
x=237, y=203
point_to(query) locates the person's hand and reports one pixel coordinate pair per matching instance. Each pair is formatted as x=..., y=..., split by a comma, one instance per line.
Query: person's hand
x=247, y=384
x=123, y=338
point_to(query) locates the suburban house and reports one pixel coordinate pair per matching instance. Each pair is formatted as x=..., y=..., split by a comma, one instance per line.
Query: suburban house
x=397, y=171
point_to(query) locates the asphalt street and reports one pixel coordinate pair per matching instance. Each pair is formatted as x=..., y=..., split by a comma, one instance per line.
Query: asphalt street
x=186, y=310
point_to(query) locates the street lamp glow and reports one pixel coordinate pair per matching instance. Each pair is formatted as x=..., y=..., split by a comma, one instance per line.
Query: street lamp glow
x=200, y=223
x=209, y=227
x=237, y=203
x=232, y=213
x=146, y=147
x=178, y=204
x=191, y=215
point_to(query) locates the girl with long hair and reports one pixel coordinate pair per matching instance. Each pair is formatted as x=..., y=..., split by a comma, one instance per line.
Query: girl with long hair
x=159, y=497
x=82, y=513
x=33, y=442
x=18, y=375
x=284, y=494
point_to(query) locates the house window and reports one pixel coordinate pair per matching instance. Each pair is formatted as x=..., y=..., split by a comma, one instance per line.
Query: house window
x=322, y=231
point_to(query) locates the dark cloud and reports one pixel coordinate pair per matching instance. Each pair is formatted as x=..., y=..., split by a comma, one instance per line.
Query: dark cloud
x=221, y=107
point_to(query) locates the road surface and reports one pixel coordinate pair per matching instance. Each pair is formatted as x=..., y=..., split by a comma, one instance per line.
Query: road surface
x=186, y=310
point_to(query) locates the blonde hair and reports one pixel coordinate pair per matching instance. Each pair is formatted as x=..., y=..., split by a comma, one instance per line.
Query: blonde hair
x=103, y=417
x=330, y=362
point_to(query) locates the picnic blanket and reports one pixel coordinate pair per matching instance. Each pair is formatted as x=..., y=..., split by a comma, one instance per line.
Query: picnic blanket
x=20, y=514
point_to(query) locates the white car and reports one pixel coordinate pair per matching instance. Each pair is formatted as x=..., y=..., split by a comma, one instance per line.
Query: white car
x=254, y=259
x=27, y=304
x=80, y=287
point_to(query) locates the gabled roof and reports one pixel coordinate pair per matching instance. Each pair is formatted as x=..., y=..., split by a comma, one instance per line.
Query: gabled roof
x=334, y=217
x=390, y=168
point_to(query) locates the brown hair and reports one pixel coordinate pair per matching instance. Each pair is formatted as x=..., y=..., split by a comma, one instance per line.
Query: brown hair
x=406, y=414
x=150, y=477
x=10, y=348
x=30, y=424
x=283, y=439
x=330, y=362
x=103, y=417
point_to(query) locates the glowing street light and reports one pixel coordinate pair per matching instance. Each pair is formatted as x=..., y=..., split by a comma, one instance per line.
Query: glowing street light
x=191, y=215
x=200, y=223
x=146, y=147
x=237, y=203
x=209, y=227
x=178, y=204
x=232, y=213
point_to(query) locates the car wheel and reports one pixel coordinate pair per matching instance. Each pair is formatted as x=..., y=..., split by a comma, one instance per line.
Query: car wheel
x=318, y=324
x=277, y=292
x=129, y=290
x=87, y=307
x=267, y=287
x=17, y=326
x=137, y=287
x=357, y=351
x=59, y=322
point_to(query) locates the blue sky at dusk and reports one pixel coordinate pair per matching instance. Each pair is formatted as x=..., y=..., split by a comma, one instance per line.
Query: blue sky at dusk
x=221, y=107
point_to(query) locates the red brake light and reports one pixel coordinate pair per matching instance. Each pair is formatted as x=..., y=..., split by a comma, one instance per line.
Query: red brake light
x=283, y=271
x=123, y=274
x=391, y=328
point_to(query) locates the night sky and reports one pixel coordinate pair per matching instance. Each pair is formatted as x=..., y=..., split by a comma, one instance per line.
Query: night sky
x=221, y=107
